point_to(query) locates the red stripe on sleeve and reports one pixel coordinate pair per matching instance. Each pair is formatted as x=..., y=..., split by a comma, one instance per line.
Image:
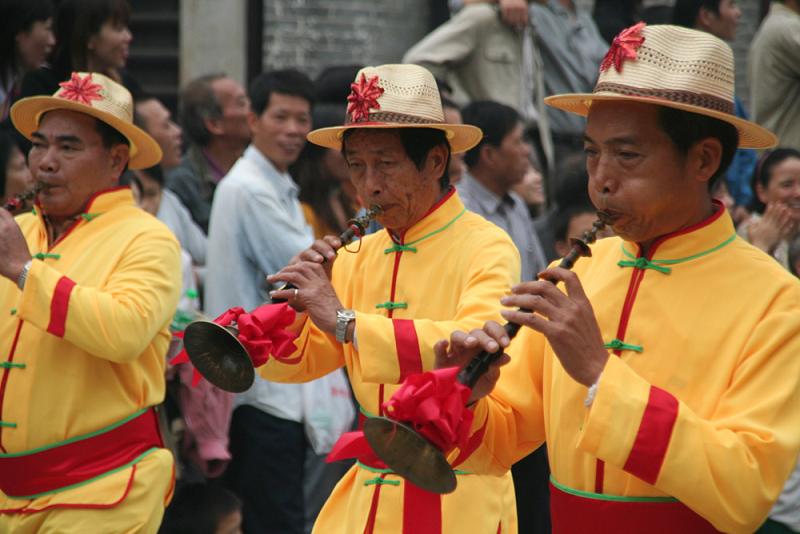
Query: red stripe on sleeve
x=650, y=447
x=408, y=355
x=59, y=305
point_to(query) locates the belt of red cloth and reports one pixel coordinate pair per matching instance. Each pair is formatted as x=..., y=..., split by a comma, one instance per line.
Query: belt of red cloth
x=44, y=470
x=575, y=513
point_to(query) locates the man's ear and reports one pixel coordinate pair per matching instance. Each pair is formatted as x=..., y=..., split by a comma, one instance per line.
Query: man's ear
x=487, y=154
x=120, y=155
x=706, y=156
x=214, y=126
x=252, y=121
x=705, y=18
x=436, y=162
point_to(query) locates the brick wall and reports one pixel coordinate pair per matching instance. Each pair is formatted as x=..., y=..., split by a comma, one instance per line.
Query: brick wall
x=312, y=34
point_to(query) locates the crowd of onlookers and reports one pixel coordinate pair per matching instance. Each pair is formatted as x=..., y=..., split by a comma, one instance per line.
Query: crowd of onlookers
x=495, y=63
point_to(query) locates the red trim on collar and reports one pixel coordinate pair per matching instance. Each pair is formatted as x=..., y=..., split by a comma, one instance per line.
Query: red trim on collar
x=720, y=209
x=439, y=203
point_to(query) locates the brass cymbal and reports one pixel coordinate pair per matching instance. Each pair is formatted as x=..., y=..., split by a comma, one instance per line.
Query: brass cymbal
x=218, y=355
x=410, y=455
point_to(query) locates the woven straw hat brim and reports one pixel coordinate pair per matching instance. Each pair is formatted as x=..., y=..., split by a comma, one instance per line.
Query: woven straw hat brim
x=144, y=150
x=751, y=135
x=461, y=137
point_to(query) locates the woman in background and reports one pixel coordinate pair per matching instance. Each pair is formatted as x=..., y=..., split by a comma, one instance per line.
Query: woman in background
x=26, y=40
x=15, y=177
x=91, y=36
x=776, y=205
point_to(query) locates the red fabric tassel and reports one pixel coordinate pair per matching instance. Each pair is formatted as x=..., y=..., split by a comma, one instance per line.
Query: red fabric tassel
x=434, y=404
x=262, y=332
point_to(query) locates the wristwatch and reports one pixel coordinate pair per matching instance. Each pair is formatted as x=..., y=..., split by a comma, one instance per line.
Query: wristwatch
x=23, y=276
x=343, y=318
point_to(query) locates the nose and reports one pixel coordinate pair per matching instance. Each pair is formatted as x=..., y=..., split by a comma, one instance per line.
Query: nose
x=601, y=175
x=373, y=182
x=47, y=162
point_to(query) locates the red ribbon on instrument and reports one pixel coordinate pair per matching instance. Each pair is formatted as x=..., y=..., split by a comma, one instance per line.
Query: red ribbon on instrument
x=434, y=404
x=262, y=332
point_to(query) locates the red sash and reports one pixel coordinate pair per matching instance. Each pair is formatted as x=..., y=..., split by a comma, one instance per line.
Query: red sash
x=572, y=513
x=45, y=470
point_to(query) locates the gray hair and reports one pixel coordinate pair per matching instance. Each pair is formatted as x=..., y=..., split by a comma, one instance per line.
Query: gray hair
x=198, y=103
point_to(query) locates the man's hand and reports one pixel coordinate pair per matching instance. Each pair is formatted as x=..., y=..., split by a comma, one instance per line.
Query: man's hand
x=14, y=253
x=567, y=321
x=314, y=294
x=514, y=13
x=463, y=347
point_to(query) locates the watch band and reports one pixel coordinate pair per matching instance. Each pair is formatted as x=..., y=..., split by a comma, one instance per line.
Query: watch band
x=23, y=276
x=343, y=319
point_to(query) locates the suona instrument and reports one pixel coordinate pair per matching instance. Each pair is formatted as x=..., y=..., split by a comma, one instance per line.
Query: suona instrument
x=17, y=202
x=215, y=350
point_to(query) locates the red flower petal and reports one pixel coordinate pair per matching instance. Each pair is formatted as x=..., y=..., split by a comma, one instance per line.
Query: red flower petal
x=81, y=90
x=623, y=47
x=363, y=96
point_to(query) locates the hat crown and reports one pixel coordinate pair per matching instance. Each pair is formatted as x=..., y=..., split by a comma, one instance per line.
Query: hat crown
x=98, y=91
x=407, y=94
x=677, y=64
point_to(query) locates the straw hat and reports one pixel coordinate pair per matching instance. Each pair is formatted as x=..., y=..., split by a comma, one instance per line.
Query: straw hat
x=100, y=97
x=670, y=66
x=396, y=96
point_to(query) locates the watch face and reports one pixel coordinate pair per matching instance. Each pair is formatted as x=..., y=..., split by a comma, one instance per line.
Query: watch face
x=347, y=314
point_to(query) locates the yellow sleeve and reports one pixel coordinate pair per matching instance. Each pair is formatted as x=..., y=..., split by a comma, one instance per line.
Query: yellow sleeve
x=319, y=355
x=730, y=467
x=390, y=349
x=115, y=322
x=511, y=418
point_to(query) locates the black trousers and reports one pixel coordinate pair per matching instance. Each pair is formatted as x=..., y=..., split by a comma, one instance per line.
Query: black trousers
x=266, y=471
x=532, y=487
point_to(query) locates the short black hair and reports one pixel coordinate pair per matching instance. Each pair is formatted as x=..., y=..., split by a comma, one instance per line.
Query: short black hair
x=685, y=12
x=332, y=85
x=685, y=128
x=563, y=216
x=110, y=135
x=198, y=508
x=495, y=119
x=417, y=143
x=7, y=145
x=762, y=173
x=286, y=82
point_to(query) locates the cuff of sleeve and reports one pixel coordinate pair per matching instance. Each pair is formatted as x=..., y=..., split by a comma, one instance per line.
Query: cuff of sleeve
x=611, y=423
x=375, y=336
x=45, y=298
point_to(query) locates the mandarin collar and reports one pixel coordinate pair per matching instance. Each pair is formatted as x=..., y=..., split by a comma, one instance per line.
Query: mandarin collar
x=443, y=212
x=696, y=239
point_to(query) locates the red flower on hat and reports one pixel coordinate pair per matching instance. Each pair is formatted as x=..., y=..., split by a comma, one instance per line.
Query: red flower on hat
x=364, y=95
x=623, y=47
x=81, y=90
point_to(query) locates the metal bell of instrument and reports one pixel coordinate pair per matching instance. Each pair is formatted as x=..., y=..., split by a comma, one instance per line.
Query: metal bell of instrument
x=217, y=354
x=408, y=453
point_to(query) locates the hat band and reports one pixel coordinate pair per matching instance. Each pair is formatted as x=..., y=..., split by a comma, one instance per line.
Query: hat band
x=702, y=100
x=392, y=117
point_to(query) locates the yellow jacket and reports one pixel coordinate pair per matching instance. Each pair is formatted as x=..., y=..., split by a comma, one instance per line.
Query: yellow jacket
x=700, y=399
x=450, y=274
x=79, y=359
